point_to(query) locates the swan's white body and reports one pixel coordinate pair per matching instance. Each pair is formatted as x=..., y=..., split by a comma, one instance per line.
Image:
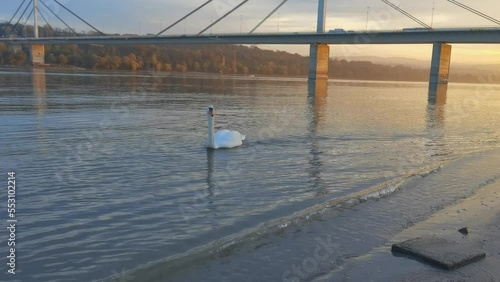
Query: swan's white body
x=222, y=138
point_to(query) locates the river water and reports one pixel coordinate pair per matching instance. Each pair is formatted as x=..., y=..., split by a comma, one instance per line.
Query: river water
x=113, y=176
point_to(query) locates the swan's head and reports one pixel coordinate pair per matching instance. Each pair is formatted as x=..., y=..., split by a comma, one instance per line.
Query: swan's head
x=211, y=111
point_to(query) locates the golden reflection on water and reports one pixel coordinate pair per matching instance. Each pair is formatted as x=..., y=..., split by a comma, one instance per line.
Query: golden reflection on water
x=317, y=104
x=436, y=105
x=40, y=92
x=318, y=90
x=438, y=93
x=436, y=109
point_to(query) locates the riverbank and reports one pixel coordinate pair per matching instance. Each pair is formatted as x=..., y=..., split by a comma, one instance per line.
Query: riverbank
x=150, y=71
x=44, y=66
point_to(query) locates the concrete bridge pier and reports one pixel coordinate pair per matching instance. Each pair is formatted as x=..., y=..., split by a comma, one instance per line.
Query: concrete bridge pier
x=440, y=70
x=37, y=54
x=319, y=55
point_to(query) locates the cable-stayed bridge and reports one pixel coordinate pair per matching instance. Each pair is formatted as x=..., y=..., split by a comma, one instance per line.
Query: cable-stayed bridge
x=319, y=41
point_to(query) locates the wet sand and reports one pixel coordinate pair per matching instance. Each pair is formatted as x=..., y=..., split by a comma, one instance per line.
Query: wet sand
x=480, y=212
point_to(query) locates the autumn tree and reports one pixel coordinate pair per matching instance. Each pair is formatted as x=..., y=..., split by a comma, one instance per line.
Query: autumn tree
x=62, y=59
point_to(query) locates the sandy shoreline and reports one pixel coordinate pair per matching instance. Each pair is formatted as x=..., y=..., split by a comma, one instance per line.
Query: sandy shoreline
x=481, y=213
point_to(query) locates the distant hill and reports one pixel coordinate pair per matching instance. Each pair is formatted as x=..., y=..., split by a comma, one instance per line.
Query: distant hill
x=425, y=64
x=459, y=72
x=393, y=61
x=224, y=59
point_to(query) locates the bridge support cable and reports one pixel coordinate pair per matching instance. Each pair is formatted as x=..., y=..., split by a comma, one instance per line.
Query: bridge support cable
x=474, y=11
x=10, y=21
x=45, y=19
x=20, y=17
x=59, y=18
x=183, y=18
x=64, y=7
x=407, y=14
x=225, y=15
x=267, y=17
x=29, y=15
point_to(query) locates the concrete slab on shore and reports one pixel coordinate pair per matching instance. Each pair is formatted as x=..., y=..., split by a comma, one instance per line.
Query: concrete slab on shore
x=480, y=213
x=441, y=251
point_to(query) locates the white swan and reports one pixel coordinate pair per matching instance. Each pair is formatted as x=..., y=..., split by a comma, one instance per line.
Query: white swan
x=222, y=138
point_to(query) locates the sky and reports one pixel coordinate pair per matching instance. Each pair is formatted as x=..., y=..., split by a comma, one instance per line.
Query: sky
x=151, y=16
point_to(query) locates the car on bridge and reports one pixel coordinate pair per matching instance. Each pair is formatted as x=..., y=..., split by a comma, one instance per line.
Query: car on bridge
x=416, y=29
x=337, y=31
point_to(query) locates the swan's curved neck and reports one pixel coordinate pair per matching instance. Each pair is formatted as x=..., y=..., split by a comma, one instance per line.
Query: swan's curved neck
x=211, y=134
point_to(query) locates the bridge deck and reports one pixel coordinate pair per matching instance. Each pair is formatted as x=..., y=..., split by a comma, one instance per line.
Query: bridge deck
x=411, y=36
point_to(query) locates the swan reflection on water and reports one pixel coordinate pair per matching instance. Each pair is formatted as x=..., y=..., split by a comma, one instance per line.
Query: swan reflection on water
x=210, y=174
x=212, y=190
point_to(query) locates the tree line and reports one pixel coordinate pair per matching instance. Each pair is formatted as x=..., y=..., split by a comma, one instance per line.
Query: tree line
x=224, y=59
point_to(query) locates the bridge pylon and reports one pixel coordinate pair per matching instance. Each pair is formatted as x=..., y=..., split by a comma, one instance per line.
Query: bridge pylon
x=440, y=71
x=319, y=55
x=37, y=52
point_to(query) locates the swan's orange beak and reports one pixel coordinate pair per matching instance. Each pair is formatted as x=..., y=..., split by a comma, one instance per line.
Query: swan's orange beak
x=211, y=111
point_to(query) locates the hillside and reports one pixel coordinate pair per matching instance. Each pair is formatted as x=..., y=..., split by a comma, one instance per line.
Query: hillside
x=224, y=59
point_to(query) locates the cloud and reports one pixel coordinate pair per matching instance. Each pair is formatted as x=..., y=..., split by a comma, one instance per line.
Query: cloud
x=127, y=15
x=150, y=16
